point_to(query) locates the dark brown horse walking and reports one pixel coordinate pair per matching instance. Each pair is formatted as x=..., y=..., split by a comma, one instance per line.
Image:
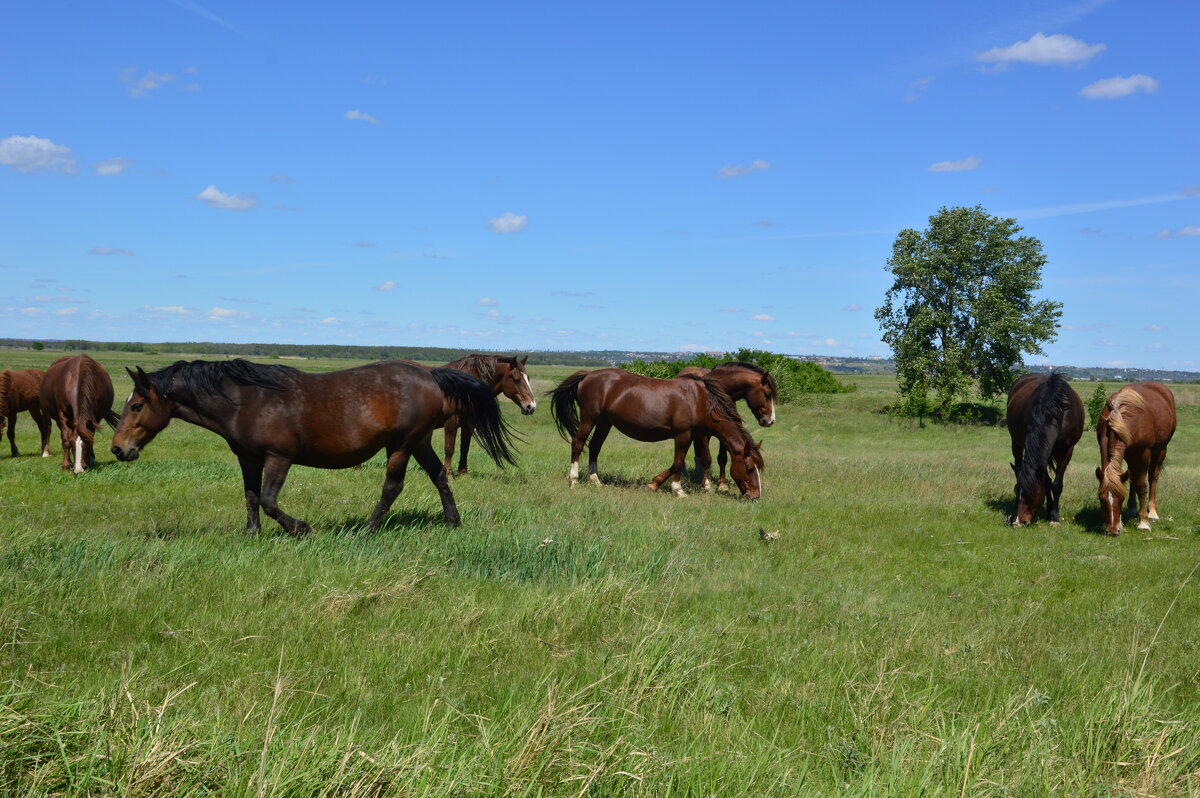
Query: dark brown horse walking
x=505, y=375
x=1135, y=426
x=274, y=417
x=78, y=394
x=1045, y=421
x=648, y=409
x=748, y=382
x=20, y=393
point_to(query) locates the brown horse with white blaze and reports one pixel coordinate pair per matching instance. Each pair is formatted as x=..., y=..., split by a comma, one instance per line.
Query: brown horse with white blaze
x=20, y=392
x=1045, y=421
x=1135, y=426
x=274, y=417
x=591, y=403
x=78, y=394
x=748, y=382
x=504, y=375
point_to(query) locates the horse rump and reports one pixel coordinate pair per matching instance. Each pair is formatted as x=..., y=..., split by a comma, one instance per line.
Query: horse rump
x=476, y=406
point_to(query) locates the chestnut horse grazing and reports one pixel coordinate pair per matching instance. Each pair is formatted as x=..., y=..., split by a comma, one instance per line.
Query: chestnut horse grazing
x=19, y=393
x=1135, y=425
x=78, y=394
x=746, y=381
x=274, y=417
x=1045, y=421
x=503, y=375
x=648, y=409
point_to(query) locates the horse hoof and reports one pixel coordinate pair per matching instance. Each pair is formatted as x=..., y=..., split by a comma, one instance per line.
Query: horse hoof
x=652, y=486
x=1053, y=523
x=723, y=487
x=462, y=472
x=1144, y=526
x=594, y=479
x=708, y=487
x=680, y=492
x=1153, y=516
x=300, y=530
x=571, y=481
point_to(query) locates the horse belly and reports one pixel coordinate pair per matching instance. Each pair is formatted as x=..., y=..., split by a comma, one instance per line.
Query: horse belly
x=641, y=432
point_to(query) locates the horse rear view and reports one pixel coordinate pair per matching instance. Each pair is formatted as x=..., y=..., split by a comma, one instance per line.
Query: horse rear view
x=19, y=393
x=78, y=394
x=1135, y=426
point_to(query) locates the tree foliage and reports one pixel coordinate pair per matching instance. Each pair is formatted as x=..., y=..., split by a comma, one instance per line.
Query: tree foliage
x=961, y=310
x=795, y=378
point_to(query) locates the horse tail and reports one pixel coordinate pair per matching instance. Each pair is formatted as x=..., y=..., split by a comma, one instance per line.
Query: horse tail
x=1050, y=402
x=476, y=406
x=564, y=407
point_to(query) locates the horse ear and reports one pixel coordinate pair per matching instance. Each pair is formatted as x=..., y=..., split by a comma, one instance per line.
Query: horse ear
x=759, y=444
x=524, y=360
x=1099, y=473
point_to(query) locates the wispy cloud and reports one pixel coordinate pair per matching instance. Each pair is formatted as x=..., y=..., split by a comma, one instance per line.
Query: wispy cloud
x=228, y=314
x=1115, y=88
x=109, y=251
x=146, y=83
x=487, y=301
x=1055, y=50
x=215, y=198
x=178, y=310
x=728, y=172
x=853, y=307
x=1089, y=207
x=34, y=154
x=918, y=88
x=112, y=166
x=201, y=11
x=508, y=222
x=386, y=285
x=1186, y=230
x=359, y=116
x=281, y=179
x=967, y=164
x=762, y=317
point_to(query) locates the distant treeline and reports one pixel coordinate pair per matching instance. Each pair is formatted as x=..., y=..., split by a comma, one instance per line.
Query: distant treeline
x=794, y=378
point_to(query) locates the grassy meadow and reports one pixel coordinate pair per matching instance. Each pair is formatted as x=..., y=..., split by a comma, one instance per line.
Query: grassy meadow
x=898, y=638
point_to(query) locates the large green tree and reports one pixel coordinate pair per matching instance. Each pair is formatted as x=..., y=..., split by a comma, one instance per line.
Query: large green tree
x=961, y=310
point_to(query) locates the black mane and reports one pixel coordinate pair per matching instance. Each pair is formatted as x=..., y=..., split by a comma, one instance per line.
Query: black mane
x=719, y=402
x=1048, y=406
x=200, y=378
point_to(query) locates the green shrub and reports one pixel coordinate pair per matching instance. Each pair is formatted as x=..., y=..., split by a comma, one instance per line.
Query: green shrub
x=1095, y=404
x=795, y=378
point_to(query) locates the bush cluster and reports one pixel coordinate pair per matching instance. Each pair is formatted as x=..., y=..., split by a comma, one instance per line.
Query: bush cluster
x=795, y=378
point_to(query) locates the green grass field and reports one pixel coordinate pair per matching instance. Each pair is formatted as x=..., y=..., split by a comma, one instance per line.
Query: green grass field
x=897, y=639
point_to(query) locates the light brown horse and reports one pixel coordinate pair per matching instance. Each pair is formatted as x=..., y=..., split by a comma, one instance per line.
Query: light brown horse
x=749, y=382
x=78, y=394
x=1045, y=421
x=19, y=394
x=648, y=409
x=505, y=375
x=1135, y=426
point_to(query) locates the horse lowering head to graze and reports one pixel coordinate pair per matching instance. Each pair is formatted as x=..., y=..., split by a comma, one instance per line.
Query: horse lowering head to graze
x=1135, y=427
x=20, y=392
x=504, y=375
x=591, y=403
x=1045, y=421
x=78, y=394
x=274, y=417
x=749, y=382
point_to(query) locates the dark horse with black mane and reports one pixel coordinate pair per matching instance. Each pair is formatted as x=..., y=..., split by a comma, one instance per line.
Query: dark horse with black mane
x=78, y=394
x=274, y=417
x=749, y=382
x=1045, y=420
x=19, y=393
x=505, y=375
x=648, y=409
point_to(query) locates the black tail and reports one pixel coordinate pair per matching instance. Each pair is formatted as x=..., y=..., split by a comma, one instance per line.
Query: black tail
x=113, y=418
x=477, y=407
x=563, y=408
x=1049, y=405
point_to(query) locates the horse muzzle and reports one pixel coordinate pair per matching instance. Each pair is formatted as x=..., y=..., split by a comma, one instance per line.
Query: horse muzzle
x=527, y=410
x=125, y=455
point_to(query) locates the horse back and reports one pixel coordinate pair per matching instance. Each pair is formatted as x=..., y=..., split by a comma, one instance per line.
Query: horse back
x=644, y=408
x=1154, y=424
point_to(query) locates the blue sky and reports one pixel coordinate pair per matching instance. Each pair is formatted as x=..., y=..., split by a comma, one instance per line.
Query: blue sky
x=614, y=176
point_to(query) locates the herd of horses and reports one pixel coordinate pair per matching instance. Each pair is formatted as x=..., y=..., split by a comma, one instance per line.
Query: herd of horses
x=274, y=416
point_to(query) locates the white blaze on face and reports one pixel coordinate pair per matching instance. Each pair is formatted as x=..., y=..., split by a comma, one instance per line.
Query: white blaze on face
x=129, y=398
x=772, y=412
x=78, y=455
x=529, y=387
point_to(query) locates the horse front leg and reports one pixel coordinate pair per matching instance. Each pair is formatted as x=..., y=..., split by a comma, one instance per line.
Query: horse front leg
x=275, y=471
x=703, y=460
x=722, y=461
x=594, y=445
x=393, y=483
x=577, y=442
x=1054, y=497
x=252, y=479
x=466, y=447
x=437, y=475
x=1157, y=460
x=64, y=432
x=1139, y=475
x=675, y=472
x=43, y=424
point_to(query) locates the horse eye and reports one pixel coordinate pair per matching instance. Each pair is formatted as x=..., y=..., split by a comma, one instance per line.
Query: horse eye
x=137, y=406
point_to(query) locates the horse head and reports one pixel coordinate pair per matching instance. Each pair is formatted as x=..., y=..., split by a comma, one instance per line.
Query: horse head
x=746, y=468
x=1113, y=492
x=760, y=398
x=514, y=383
x=146, y=414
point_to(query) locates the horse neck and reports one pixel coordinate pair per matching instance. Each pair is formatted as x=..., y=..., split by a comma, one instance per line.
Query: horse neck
x=735, y=382
x=730, y=433
x=212, y=413
x=499, y=373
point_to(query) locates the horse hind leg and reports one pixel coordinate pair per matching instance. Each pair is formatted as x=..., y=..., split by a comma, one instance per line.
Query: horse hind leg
x=1138, y=483
x=275, y=471
x=12, y=434
x=594, y=446
x=451, y=431
x=428, y=461
x=43, y=423
x=703, y=461
x=577, y=442
x=393, y=484
x=463, y=450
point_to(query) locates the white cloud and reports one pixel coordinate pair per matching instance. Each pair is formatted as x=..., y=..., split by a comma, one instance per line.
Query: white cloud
x=1190, y=191
x=508, y=222
x=71, y=311
x=965, y=165
x=229, y=313
x=1115, y=88
x=917, y=88
x=828, y=342
x=109, y=251
x=386, y=285
x=359, y=116
x=215, y=198
x=1155, y=328
x=34, y=154
x=853, y=306
x=488, y=301
x=112, y=166
x=728, y=172
x=147, y=83
x=1055, y=50
x=1186, y=230
x=762, y=317
x=731, y=310
x=331, y=320
x=176, y=309
x=281, y=179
